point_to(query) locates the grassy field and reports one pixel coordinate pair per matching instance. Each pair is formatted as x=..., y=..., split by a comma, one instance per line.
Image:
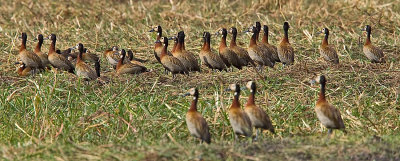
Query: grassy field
x=56, y=116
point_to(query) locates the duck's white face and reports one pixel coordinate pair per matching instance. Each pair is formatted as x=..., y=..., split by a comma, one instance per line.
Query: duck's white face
x=114, y=48
x=220, y=31
x=204, y=34
x=315, y=80
x=323, y=30
x=155, y=28
x=252, y=29
x=192, y=91
x=232, y=87
x=248, y=85
x=162, y=40
x=230, y=30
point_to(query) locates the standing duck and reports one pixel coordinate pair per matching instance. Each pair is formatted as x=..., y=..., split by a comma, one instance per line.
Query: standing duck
x=373, y=53
x=271, y=48
x=194, y=64
x=188, y=60
x=83, y=69
x=239, y=120
x=57, y=60
x=327, y=51
x=208, y=57
x=38, y=51
x=258, y=117
x=255, y=52
x=227, y=55
x=263, y=47
x=328, y=114
x=171, y=63
x=285, y=49
x=242, y=54
x=124, y=67
x=27, y=57
x=158, y=45
x=195, y=122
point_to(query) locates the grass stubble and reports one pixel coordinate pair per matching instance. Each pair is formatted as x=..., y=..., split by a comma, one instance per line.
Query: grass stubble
x=55, y=115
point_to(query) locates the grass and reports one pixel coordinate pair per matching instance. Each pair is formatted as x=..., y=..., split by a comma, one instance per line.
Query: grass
x=141, y=117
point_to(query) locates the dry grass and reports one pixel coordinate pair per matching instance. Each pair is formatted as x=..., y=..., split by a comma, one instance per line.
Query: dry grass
x=57, y=116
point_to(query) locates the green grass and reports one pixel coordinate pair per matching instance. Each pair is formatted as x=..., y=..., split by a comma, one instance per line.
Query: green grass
x=141, y=117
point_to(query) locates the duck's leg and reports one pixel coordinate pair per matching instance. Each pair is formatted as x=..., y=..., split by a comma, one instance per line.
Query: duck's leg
x=257, y=131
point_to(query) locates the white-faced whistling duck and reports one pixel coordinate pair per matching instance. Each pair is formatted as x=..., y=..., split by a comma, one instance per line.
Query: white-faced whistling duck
x=328, y=114
x=373, y=53
x=112, y=55
x=27, y=57
x=255, y=52
x=57, y=60
x=38, y=51
x=124, y=67
x=239, y=120
x=23, y=70
x=84, y=70
x=170, y=63
x=271, y=48
x=188, y=60
x=195, y=122
x=194, y=64
x=285, y=50
x=175, y=38
x=158, y=46
x=227, y=55
x=259, y=119
x=327, y=51
x=208, y=57
x=263, y=47
x=242, y=53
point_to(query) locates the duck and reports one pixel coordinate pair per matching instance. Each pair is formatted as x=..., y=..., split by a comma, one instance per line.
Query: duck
x=242, y=53
x=23, y=70
x=27, y=57
x=226, y=54
x=328, y=114
x=112, y=56
x=285, y=49
x=258, y=117
x=255, y=52
x=372, y=52
x=328, y=51
x=38, y=51
x=272, y=49
x=238, y=118
x=124, y=67
x=83, y=69
x=263, y=47
x=195, y=122
x=187, y=58
x=208, y=57
x=57, y=60
x=170, y=63
x=158, y=46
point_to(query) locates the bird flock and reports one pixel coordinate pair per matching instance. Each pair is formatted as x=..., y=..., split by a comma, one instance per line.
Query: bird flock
x=178, y=60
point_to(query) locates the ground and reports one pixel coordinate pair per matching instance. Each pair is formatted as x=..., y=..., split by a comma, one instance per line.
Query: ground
x=57, y=116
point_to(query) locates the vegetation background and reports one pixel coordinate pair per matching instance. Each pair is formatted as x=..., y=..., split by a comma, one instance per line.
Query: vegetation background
x=56, y=116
